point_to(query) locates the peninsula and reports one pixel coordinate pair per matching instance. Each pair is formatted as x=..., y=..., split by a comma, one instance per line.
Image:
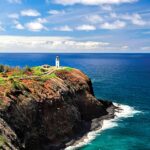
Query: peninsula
x=47, y=108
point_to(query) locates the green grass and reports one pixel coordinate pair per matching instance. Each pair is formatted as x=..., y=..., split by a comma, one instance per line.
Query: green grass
x=68, y=68
x=65, y=69
x=37, y=70
x=1, y=102
x=2, y=81
x=19, y=74
x=2, y=140
x=18, y=85
x=46, y=77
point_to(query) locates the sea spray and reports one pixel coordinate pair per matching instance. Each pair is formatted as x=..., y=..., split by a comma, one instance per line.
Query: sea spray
x=124, y=111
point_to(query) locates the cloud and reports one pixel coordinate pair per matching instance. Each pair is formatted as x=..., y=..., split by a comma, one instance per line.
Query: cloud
x=86, y=27
x=124, y=47
x=136, y=19
x=56, y=12
x=113, y=15
x=92, y=2
x=13, y=16
x=35, y=26
x=41, y=20
x=106, y=7
x=63, y=28
x=114, y=25
x=30, y=13
x=19, y=26
x=45, y=44
x=94, y=19
x=15, y=1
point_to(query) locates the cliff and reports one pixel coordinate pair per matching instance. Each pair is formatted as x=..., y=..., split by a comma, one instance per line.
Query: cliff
x=46, y=111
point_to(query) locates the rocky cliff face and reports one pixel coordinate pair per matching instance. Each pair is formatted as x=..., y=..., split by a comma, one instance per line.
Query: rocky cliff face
x=45, y=115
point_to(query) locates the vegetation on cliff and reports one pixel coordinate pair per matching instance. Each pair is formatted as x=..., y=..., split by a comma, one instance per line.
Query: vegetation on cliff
x=15, y=78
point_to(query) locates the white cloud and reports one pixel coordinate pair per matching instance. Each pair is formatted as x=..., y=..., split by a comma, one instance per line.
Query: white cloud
x=92, y=2
x=56, y=12
x=94, y=19
x=30, y=13
x=125, y=47
x=47, y=44
x=113, y=15
x=114, y=25
x=63, y=28
x=35, y=26
x=41, y=20
x=13, y=16
x=106, y=7
x=86, y=28
x=19, y=26
x=134, y=18
x=15, y=1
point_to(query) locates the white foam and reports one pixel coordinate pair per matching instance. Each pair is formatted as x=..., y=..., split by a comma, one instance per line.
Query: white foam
x=124, y=112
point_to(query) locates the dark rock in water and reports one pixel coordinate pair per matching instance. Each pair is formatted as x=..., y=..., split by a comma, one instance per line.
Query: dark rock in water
x=45, y=115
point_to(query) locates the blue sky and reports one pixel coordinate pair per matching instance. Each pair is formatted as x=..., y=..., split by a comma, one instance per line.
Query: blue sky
x=75, y=26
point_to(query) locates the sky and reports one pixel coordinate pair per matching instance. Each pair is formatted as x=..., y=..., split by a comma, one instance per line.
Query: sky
x=83, y=26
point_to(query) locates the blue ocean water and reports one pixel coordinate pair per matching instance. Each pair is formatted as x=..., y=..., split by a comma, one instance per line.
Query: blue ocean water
x=121, y=78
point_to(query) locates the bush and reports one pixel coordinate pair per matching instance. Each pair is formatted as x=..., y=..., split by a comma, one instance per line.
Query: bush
x=4, y=68
x=1, y=68
x=47, y=77
x=37, y=70
x=2, y=81
x=2, y=140
x=27, y=69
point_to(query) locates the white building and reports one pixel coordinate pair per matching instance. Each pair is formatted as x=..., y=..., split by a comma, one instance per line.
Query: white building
x=57, y=62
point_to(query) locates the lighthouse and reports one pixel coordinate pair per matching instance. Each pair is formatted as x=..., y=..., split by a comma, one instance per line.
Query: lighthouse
x=57, y=62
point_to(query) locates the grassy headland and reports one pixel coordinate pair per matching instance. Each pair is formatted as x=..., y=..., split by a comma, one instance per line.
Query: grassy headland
x=15, y=78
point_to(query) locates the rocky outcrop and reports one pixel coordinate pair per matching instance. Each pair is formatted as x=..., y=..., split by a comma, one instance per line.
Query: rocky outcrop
x=45, y=115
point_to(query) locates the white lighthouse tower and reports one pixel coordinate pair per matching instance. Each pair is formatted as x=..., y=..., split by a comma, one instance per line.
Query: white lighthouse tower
x=57, y=62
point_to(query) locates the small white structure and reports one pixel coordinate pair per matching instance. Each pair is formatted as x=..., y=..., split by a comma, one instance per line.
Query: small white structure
x=57, y=62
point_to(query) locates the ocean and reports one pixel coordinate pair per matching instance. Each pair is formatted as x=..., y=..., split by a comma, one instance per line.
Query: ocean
x=121, y=78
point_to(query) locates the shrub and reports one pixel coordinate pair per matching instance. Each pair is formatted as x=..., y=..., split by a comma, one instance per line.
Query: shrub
x=1, y=68
x=27, y=69
x=37, y=70
x=68, y=68
x=2, y=81
x=18, y=85
x=4, y=68
x=2, y=140
x=46, y=77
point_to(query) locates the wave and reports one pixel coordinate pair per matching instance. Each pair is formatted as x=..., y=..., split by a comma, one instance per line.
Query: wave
x=125, y=111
